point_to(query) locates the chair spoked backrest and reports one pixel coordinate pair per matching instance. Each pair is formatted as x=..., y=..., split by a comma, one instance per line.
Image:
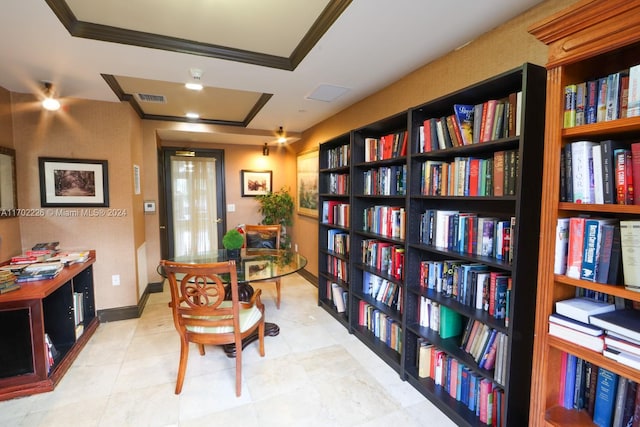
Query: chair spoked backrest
x=264, y=237
x=202, y=316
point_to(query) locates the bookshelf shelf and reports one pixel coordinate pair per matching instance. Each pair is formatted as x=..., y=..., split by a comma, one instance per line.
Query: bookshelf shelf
x=603, y=39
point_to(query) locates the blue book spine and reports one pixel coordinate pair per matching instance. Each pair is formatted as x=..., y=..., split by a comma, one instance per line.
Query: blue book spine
x=606, y=387
x=588, y=270
x=570, y=381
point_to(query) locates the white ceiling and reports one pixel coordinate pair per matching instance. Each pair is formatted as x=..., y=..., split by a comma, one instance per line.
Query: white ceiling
x=372, y=44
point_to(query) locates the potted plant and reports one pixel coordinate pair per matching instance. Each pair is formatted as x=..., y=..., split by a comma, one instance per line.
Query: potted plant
x=276, y=207
x=232, y=242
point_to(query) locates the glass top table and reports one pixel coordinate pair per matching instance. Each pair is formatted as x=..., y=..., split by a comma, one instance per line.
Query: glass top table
x=254, y=264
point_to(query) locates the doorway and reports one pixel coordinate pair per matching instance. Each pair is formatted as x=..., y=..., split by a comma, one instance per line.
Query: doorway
x=193, y=200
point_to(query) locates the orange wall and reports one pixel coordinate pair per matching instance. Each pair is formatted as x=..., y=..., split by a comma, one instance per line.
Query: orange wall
x=502, y=49
x=83, y=130
x=9, y=227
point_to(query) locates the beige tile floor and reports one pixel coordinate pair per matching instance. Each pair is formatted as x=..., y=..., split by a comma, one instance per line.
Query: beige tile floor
x=314, y=374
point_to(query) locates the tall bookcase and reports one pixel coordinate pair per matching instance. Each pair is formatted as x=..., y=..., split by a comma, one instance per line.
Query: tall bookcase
x=378, y=205
x=588, y=40
x=334, y=233
x=521, y=204
x=389, y=323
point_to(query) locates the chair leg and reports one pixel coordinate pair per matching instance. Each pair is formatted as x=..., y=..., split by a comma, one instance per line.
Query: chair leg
x=201, y=349
x=238, y=368
x=261, y=338
x=278, y=294
x=182, y=367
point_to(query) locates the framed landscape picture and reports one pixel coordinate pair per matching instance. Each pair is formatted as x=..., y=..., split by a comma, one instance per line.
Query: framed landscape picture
x=255, y=183
x=73, y=182
x=307, y=181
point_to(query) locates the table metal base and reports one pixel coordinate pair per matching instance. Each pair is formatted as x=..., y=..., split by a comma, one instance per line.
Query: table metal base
x=270, y=329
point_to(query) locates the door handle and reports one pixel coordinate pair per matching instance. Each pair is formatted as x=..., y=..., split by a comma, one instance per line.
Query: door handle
x=162, y=227
x=218, y=221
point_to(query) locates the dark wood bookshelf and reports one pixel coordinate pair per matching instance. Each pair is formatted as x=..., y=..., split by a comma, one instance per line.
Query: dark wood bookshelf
x=524, y=205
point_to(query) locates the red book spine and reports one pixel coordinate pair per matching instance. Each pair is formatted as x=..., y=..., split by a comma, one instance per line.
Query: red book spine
x=635, y=166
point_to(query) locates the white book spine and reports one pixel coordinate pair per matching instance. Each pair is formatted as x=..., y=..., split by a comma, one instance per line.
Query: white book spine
x=581, y=171
x=598, y=188
x=630, y=242
x=562, y=246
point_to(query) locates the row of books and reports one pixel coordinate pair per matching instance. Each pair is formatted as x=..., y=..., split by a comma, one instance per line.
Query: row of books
x=388, y=221
x=339, y=296
x=610, y=399
x=604, y=172
x=338, y=183
x=338, y=241
x=472, y=124
x=39, y=252
x=471, y=176
x=380, y=325
x=487, y=346
x=386, y=147
x=610, y=97
x=335, y=212
x=601, y=250
x=385, y=180
x=467, y=232
x=383, y=256
x=338, y=268
x=482, y=396
x=339, y=156
x=471, y=284
x=387, y=292
x=445, y=322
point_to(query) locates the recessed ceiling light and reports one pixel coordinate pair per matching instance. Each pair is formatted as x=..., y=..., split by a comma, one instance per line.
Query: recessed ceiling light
x=193, y=115
x=193, y=86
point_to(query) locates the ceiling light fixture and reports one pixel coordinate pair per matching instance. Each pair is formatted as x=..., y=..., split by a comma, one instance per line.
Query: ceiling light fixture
x=50, y=102
x=195, y=83
x=265, y=150
x=281, y=136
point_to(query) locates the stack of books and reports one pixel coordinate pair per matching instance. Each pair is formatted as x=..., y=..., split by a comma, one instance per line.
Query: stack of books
x=38, y=253
x=622, y=339
x=40, y=271
x=8, y=282
x=572, y=321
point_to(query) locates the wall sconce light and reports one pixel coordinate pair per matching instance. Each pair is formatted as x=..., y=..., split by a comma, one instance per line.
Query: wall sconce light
x=265, y=150
x=50, y=102
x=195, y=83
x=281, y=136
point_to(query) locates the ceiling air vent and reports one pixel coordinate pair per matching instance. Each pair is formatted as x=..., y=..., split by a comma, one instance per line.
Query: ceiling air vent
x=156, y=99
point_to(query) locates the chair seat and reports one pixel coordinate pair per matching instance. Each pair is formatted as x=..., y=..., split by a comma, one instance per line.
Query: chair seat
x=248, y=318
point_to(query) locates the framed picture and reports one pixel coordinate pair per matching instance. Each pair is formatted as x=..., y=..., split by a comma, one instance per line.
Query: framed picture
x=255, y=183
x=307, y=180
x=73, y=182
x=257, y=270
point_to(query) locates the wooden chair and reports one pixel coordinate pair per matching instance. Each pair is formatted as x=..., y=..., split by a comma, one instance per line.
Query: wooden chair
x=202, y=316
x=265, y=237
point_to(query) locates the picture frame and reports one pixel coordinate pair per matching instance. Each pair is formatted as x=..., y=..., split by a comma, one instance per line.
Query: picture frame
x=255, y=183
x=307, y=184
x=257, y=270
x=73, y=182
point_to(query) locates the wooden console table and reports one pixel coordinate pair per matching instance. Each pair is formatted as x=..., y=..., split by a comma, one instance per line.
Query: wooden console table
x=39, y=308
